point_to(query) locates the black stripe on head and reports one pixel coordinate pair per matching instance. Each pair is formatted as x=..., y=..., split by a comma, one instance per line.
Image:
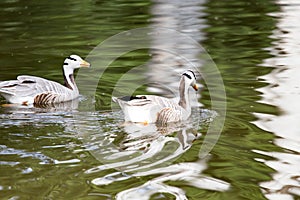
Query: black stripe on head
x=193, y=73
x=66, y=63
x=71, y=58
x=185, y=74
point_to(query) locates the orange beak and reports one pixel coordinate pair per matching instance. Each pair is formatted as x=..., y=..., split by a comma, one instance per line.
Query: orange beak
x=195, y=86
x=84, y=64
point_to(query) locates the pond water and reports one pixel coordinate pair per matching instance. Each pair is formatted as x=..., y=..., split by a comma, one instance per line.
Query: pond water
x=83, y=149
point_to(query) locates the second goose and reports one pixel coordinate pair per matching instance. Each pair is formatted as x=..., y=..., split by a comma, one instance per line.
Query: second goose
x=156, y=109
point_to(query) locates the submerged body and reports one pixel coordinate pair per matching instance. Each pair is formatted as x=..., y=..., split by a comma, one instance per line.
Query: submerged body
x=28, y=90
x=156, y=109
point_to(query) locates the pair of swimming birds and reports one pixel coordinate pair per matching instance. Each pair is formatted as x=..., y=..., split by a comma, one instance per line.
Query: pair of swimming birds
x=28, y=90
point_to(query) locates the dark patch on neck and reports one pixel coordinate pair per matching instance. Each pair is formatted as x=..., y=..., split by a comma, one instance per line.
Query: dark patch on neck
x=182, y=100
x=66, y=84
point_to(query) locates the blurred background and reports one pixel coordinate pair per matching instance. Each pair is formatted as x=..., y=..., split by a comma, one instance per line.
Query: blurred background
x=52, y=153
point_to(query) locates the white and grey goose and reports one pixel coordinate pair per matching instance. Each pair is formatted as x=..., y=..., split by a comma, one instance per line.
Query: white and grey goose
x=27, y=90
x=156, y=109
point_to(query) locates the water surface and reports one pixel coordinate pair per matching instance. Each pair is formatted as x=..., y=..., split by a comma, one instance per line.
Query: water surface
x=83, y=150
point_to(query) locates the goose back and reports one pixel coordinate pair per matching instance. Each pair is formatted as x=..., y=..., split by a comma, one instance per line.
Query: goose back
x=31, y=89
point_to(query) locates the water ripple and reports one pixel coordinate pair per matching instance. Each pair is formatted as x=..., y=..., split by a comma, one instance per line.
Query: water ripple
x=136, y=150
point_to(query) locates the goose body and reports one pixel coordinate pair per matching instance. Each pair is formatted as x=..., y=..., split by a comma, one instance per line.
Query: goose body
x=156, y=109
x=28, y=90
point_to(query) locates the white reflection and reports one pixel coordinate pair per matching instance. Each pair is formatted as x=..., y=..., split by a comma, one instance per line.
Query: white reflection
x=39, y=116
x=157, y=141
x=145, y=147
x=284, y=93
x=148, y=150
x=189, y=173
x=151, y=151
x=62, y=106
x=164, y=66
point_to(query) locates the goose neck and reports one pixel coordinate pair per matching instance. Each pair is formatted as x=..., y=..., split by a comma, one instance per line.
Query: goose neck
x=183, y=92
x=69, y=79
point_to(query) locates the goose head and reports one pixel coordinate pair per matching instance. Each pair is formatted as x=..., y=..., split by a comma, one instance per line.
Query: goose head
x=70, y=64
x=74, y=62
x=190, y=79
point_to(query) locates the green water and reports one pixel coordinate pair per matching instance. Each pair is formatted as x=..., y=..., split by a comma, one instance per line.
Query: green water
x=82, y=151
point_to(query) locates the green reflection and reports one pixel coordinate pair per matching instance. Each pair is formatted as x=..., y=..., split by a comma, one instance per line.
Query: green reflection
x=237, y=37
x=37, y=35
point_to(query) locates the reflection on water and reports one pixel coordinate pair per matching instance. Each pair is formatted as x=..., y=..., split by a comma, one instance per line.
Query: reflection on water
x=189, y=173
x=170, y=56
x=18, y=115
x=283, y=92
x=147, y=150
x=144, y=141
x=67, y=152
x=55, y=107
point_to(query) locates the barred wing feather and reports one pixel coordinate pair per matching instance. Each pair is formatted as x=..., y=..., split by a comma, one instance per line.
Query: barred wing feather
x=38, y=89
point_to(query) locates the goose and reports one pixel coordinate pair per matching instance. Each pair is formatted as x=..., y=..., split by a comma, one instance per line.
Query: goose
x=155, y=109
x=32, y=90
